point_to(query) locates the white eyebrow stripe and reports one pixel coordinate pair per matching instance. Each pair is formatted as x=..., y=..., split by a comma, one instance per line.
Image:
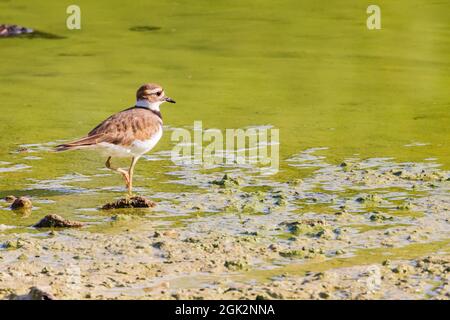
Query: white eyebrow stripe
x=155, y=90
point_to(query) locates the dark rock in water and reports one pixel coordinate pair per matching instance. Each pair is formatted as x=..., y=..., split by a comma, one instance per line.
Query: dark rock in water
x=10, y=30
x=13, y=30
x=132, y=202
x=34, y=294
x=10, y=199
x=21, y=203
x=55, y=221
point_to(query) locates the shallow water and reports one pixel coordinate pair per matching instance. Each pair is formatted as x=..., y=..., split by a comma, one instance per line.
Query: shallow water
x=312, y=70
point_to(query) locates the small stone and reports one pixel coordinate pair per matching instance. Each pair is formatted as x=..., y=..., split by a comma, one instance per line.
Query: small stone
x=324, y=295
x=39, y=294
x=34, y=294
x=370, y=199
x=312, y=226
x=158, y=245
x=10, y=199
x=52, y=233
x=55, y=221
x=325, y=234
x=293, y=253
x=132, y=202
x=45, y=270
x=176, y=296
x=12, y=245
x=235, y=265
x=378, y=217
x=226, y=182
x=156, y=234
x=21, y=203
x=402, y=269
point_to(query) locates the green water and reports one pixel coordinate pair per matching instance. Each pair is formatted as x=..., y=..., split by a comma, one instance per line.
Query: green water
x=309, y=68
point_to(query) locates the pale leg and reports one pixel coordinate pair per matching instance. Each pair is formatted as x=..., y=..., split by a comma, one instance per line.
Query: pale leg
x=130, y=174
x=123, y=172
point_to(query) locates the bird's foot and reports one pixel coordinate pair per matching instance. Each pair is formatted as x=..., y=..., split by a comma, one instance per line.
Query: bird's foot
x=129, y=195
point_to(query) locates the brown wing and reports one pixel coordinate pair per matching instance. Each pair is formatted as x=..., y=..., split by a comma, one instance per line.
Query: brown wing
x=122, y=128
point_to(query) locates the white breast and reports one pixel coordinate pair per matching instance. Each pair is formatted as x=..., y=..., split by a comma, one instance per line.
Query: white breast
x=137, y=148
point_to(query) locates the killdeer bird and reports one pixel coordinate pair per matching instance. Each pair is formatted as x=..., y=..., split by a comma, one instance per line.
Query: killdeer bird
x=129, y=133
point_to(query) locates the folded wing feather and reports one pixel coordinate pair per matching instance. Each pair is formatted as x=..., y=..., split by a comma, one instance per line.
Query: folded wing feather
x=122, y=128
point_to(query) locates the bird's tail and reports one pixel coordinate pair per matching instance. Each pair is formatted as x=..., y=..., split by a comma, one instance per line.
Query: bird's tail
x=83, y=142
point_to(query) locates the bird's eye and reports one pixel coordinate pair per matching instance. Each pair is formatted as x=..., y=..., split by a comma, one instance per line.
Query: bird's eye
x=158, y=93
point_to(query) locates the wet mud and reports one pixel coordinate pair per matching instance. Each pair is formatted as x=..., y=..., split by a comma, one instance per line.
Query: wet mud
x=362, y=229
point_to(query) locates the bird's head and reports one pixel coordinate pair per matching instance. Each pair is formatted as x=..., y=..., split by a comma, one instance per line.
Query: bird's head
x=151, y=95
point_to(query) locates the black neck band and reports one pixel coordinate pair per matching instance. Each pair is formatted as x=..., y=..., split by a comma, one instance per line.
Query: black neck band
x=158, y=113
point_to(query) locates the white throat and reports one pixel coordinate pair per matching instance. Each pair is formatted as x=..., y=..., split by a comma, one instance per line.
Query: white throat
x=150, y=105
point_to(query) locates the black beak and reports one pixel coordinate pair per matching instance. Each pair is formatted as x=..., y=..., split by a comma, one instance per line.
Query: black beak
x=169, y=100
